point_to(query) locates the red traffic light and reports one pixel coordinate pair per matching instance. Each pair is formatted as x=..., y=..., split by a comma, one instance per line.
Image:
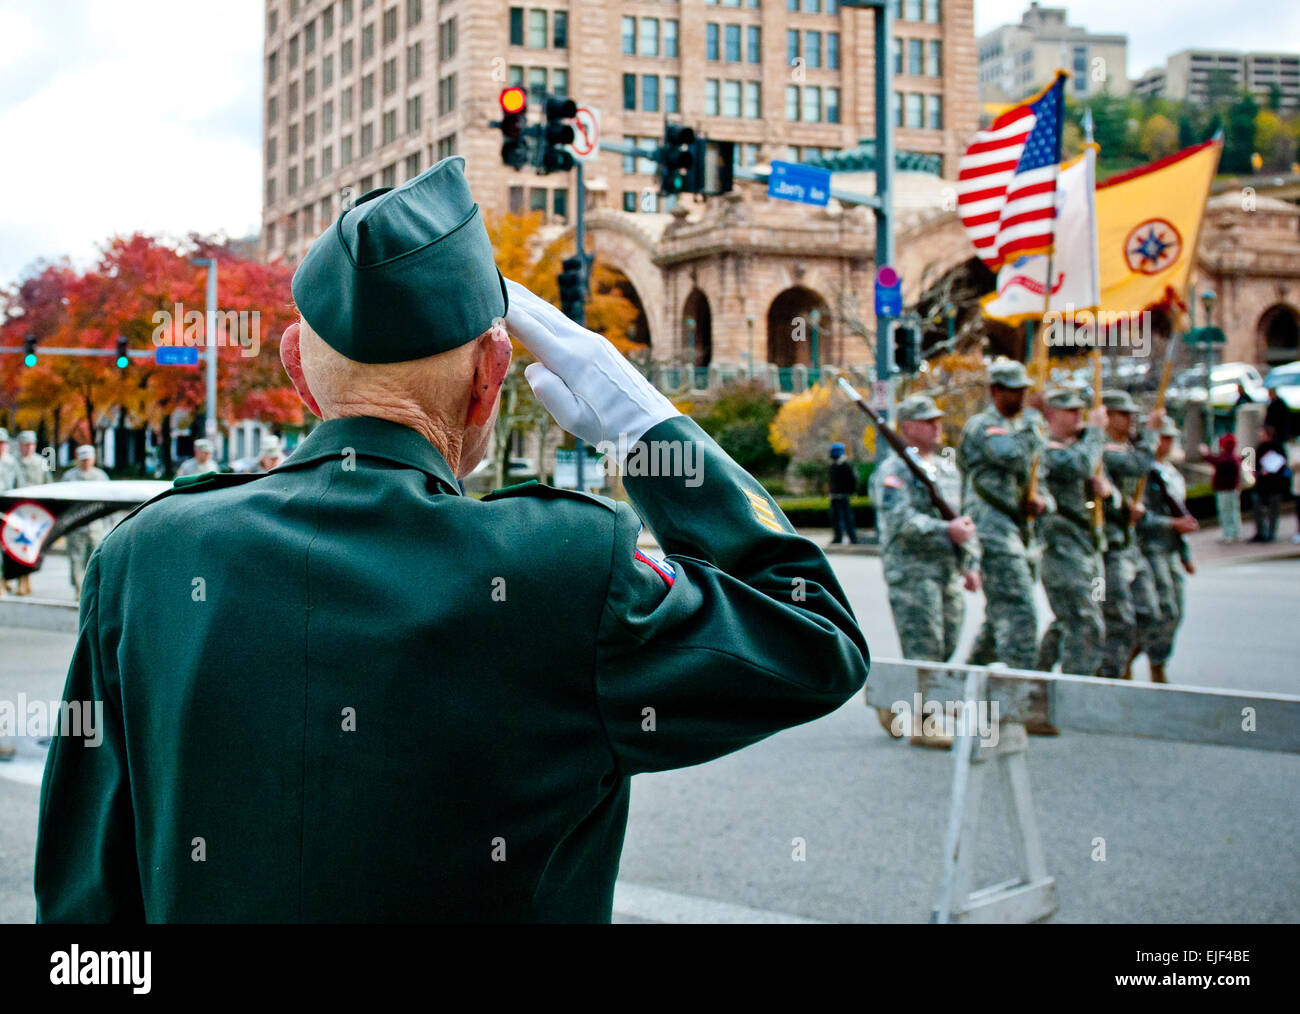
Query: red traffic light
x=513, y=100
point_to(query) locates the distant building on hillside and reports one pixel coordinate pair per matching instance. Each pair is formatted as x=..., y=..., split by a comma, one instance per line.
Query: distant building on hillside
x=1017, y=60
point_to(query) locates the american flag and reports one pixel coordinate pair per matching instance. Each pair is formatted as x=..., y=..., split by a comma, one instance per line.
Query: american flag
x=1006, y=181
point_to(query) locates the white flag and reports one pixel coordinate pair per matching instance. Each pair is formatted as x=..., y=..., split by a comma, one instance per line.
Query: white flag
x=1076, y=277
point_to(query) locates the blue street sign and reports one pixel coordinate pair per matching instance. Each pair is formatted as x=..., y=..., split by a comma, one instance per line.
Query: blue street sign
x=802, y=184
x=889, y=293
x=176, y=355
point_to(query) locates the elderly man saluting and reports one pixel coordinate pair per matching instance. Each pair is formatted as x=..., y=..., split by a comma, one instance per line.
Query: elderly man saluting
x=436, y=711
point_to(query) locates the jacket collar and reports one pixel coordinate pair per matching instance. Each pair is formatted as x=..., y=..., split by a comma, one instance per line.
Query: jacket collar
x=374, y=438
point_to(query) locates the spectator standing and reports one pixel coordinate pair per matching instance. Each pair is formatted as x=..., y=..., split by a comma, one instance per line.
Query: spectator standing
x=844, y=483
x=1278, y=415
x=1273, y=475
x=1226, y=484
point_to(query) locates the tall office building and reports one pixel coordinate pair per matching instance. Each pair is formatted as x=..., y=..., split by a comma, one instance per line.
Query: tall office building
x=368, y=93
x=1017, y=60
x=1189, y=74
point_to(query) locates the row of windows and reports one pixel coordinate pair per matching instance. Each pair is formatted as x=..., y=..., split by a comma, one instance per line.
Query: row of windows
x=642, y=39
x=414, y=66
x=649, y=93
x=541, y=80
x=537, y=200
x=915, y=110
x=535, y=35
x=733, y=98
x=924, y=57
x=805, y=104
x=919, y=10
x=388, y=125
x=811, y=50
x=305, y=41
x=730, y=48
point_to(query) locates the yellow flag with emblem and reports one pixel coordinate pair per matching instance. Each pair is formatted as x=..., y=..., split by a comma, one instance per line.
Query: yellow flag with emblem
x=1148, y=222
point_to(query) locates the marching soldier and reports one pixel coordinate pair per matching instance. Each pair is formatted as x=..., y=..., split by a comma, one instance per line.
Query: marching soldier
x=927, y=561
x=202, y=463
x=999, y=447
x=470, y=685
x=271, y=456
x=33, y=470
x=1130, y=593
x=1160, y=539
x=86, y=539
x=1072, y=544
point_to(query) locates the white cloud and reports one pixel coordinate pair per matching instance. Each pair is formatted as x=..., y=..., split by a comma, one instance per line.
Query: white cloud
x=135, y=115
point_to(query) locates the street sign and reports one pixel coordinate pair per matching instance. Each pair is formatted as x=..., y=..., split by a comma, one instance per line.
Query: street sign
x=801, y=184
x=889, y=293
x=586, y=134
x=176, y=355
x=1205, y=336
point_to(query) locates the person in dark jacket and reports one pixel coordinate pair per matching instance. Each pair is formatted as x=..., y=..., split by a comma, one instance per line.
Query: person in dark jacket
x=844, y=483
x=1278, y=415
x=1226, y=484
x=1273, y=476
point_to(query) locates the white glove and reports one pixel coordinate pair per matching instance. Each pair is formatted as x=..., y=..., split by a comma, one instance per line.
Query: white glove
x=586, y=384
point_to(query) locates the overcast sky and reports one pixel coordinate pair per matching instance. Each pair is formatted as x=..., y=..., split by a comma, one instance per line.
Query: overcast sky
x=124, y=115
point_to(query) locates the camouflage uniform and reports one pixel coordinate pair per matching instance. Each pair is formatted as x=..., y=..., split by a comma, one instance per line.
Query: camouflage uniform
x=995, y=457
x=920, y=560
x=1130, y=592
x=1072, y=557
x=8, y=465
x=1165, y=550
x=85, y=540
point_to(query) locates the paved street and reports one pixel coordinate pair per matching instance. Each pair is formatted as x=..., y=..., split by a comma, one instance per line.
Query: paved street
x=1192, y=833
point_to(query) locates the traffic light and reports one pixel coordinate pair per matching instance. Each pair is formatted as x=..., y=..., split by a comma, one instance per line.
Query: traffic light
x=573, y=288
x=907, y=347
x=29, y=351
x=677, y=160
x=123, y=360
x=557, y=134
x=514, y=114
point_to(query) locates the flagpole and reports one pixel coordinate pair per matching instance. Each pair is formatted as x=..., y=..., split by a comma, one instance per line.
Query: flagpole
x=1098, y=508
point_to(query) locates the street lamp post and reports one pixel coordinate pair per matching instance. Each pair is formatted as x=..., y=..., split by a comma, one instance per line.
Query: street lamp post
x=210, y=337
x=1208, y=297
x=750, y=322
x=814, y=319
x=690, y=352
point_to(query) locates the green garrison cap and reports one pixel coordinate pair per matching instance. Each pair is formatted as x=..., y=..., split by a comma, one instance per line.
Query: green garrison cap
x=1118, y=401
x=1008, y=373
x=1064, y=397
x=405, y=273
x=918, y=407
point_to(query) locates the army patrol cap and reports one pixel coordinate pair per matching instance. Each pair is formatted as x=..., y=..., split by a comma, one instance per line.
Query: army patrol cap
x=85, y=451
x=4, y=435
x=1065, y=398
x=27, y=437
x=405, y=273
x=203, y=444
x=271, y=445
x=1008, y=373
x=1118, y=401
x=1168, y=428
x=919, y=408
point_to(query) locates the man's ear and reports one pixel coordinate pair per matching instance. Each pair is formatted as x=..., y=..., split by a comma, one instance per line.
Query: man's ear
x=291, y=356
x=492, y=361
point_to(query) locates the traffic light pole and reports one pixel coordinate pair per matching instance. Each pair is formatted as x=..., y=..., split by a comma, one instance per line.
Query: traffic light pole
x=580, y=235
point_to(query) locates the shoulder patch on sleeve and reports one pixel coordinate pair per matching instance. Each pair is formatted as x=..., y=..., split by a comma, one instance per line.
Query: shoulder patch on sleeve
x=661, y=567
x=893, y=482
x=995, y=431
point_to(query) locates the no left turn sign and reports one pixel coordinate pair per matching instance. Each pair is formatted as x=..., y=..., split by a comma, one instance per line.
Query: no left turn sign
x=586, y=134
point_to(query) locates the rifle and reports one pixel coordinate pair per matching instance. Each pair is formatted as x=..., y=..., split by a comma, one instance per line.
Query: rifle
x=903, y=451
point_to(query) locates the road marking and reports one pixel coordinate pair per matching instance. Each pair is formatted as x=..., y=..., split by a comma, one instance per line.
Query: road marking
x=654, y=905
x=23, y=770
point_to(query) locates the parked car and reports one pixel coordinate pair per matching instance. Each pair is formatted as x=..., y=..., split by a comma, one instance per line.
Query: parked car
x=1286, y=381
x=1189, y=385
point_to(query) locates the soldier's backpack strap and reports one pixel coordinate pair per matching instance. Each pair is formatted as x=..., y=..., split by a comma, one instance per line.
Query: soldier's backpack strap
x=539, y=489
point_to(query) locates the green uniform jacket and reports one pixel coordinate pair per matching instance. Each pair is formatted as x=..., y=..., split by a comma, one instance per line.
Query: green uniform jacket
x=342, y=691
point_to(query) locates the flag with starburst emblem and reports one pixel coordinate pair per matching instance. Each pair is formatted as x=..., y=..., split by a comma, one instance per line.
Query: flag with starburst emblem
x=1148, y=221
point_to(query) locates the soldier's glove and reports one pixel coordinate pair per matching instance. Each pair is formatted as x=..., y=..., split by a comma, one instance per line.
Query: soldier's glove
x=586, y=384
